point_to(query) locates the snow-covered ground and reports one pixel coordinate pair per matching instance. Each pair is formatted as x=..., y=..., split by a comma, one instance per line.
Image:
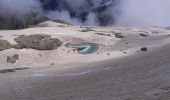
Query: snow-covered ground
x=130, y=61
x=110, y=46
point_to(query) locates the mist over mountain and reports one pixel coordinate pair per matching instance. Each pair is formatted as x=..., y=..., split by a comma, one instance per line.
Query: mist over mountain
x=82, y=12
x=22, y=13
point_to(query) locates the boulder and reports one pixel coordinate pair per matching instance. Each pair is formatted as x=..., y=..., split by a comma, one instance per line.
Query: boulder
x=144, y=49
x=119, y=35
x=13, y=59
x=144, y=35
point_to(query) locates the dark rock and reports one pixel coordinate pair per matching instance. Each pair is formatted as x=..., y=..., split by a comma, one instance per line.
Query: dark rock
x=144, y=49
x=4, y=44
x=7, y=70
x=87, y=29
x=23, y=68
x=109, y=35
x=12, y=70
x=125, y=52
x=38, y=42
x=100, y=33
x=103, y=34
x=52, y=64
x=144, y=35
x=68, y=44
x=31, y=41
x=119, y=35
x=12, y=59
x=49, y=44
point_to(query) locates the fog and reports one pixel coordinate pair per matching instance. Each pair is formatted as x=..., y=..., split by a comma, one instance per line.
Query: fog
x=144, y=13
x=93, y=12
x=17, y=8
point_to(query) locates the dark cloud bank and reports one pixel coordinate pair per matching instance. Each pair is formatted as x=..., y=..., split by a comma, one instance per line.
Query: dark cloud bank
x=21, y=13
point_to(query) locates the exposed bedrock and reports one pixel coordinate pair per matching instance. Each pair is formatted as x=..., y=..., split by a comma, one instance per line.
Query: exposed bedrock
x=4, y=44
x=13, y=59
x=38, y=42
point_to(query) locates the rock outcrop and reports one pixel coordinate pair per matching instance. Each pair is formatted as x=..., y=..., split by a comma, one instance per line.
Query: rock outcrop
x=13, y=59
x=4, y=44
x=144, y=49
x=38, y=42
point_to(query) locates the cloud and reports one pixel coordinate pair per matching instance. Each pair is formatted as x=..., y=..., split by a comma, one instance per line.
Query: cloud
x=93, y=12
x=144, y=13
x=19, y=7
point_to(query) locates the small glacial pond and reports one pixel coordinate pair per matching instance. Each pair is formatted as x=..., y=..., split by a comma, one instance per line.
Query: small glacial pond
x=85, y=48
